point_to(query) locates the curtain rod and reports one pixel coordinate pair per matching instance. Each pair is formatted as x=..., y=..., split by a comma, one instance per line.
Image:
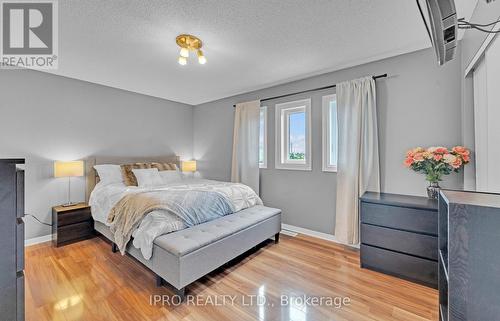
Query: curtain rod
x=309, y=90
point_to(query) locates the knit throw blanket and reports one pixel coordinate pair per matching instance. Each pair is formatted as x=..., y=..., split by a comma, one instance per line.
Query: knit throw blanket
x=194, y=204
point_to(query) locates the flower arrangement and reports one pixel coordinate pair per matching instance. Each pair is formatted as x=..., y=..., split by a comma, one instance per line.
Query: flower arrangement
x=435, y=162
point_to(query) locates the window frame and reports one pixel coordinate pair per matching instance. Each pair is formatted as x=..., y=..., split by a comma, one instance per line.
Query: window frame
x=263, y=165
x=281, y=155
x=325, y=106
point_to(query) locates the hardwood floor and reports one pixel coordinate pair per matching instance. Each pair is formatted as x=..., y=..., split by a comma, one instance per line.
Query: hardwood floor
x=85, y=281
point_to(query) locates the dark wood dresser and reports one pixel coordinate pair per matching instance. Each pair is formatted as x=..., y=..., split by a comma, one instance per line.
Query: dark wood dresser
x=469, y=256
x=11, y=240
x=71, y=224
x=399, y=236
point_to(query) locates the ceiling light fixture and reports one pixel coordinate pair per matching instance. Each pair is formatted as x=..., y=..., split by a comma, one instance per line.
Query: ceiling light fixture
x=189, y=43
x=182, y=61
x=201, y=58
x=184, y=52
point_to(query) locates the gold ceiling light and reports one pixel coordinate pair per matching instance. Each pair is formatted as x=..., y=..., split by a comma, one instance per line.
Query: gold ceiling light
x=189, y=43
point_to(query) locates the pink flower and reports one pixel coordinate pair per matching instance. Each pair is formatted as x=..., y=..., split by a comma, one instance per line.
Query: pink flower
x=441, y=150
x=436, y=161
x=461, y=150
x=427, y=155
x=457, y=163
x=408, y=161
x=438, y=157
x=418, y=157
x=449, y=158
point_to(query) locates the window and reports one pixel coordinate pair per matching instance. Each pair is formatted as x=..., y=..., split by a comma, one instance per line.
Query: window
x=263, y=138
x=330, y=133
x=293, y=135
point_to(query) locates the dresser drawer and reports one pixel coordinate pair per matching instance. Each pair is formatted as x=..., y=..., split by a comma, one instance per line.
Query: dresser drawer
x=75, y=231
x=20, y=296
x=19, y=194
x=19, y=245
x=408, y=267
x=71, y=217
x=404, y=218
x=422, y=245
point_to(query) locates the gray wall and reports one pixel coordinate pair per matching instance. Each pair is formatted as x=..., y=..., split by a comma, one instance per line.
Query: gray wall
x=471, y=42
x=418, y=105
x=45, y=117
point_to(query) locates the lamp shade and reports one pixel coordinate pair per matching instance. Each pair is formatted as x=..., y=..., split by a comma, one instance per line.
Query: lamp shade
x=68, y=169
x=189, y=166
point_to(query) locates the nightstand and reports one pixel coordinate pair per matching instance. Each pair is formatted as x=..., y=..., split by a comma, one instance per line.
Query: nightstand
x=71, y=224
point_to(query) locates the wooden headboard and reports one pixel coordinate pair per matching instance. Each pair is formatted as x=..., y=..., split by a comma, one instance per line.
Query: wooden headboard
x=91, y=174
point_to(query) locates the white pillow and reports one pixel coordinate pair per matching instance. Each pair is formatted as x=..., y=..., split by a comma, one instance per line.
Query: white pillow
x=169, y=177
x=147, y=177
x=109, y=174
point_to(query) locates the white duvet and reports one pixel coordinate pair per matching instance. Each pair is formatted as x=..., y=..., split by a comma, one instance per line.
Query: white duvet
x=159, y=222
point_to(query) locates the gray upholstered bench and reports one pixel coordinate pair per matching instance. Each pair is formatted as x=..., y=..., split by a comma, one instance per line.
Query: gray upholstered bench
x=182, y=257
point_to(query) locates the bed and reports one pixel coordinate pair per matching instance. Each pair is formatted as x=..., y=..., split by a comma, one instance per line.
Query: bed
x=181, y=257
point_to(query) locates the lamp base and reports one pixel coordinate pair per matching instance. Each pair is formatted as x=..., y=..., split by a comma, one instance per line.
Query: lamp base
x=69, y=204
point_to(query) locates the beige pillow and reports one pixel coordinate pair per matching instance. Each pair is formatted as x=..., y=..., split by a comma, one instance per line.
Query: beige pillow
x=164, y=166
x=128, y=176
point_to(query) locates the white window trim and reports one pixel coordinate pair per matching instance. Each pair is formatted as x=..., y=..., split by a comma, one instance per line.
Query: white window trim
x=326, y=135
x=264, y=163
x=279, y=164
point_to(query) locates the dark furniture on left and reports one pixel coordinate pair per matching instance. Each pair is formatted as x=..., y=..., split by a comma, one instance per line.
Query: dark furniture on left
x=11, y=240
x=71, y=224
x=399, y=236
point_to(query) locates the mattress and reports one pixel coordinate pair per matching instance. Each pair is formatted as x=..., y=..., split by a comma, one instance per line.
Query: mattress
x=160, y=223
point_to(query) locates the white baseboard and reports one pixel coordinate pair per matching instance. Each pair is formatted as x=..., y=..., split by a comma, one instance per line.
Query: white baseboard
x=288, y=232
x=286, y=229
x=324, y=236
x=37, y=240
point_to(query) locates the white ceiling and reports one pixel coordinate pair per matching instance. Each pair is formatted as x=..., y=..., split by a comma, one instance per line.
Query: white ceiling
x=249, y=44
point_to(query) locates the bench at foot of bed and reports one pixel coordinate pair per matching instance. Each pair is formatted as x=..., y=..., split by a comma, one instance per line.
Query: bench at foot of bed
x=182, y=257
x=180, y=293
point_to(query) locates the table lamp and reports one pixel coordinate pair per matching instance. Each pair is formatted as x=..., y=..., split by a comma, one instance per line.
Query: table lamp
x=188, y=166
x=68, y=169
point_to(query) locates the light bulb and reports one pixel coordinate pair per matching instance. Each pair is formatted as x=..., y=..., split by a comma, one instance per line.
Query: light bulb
x=201, y=58
x=184, y=52
x=182, y=61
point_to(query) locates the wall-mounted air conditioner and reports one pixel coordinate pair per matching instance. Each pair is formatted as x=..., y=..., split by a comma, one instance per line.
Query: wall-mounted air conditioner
x=442, y=28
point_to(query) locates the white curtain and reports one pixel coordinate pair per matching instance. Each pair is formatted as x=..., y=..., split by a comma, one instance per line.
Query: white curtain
x=245, y=164
x=358, y=158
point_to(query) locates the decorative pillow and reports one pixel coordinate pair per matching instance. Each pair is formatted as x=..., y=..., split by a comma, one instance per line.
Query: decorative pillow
x=164, y=166
x=147, y=177
x=169, y=177
x=109, y=174
x=128, y=176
